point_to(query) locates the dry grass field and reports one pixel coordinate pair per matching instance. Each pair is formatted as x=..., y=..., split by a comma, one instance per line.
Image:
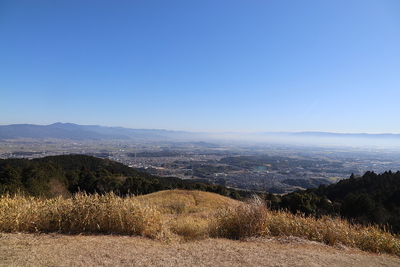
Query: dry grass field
x=180, y=228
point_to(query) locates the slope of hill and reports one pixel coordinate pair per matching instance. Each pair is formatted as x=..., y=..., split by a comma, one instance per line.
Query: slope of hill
x=71, y=173
x=67, y=174
x=261, y=232
x=180, y=201
x=74, y=162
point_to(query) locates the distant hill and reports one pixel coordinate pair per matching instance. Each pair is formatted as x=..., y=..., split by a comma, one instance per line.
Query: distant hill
x=71, y=131
x=83, y=132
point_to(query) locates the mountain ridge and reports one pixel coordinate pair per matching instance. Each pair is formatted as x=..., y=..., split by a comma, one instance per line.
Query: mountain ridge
x=74, y=131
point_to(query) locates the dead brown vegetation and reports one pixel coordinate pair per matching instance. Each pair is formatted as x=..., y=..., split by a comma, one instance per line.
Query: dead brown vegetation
x=183, y=215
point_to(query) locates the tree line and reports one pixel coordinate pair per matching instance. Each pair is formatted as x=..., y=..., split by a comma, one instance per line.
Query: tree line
x=68, y=174
x=370, y=198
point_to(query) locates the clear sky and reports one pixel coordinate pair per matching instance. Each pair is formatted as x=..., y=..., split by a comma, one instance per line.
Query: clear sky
x=218, y=65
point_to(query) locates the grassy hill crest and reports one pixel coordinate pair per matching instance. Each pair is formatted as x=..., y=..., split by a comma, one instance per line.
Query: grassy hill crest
x=187, y=201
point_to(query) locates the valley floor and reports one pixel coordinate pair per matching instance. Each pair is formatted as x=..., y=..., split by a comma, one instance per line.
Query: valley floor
x=109, y=250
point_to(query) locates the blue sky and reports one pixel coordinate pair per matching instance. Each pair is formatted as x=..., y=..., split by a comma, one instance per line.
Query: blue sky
x=202, y=65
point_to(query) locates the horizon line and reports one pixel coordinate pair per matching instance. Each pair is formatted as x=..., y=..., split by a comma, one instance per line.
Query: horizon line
x=210, y=132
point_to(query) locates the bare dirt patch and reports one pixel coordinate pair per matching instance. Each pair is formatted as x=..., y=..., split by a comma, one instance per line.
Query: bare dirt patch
x=109, y=250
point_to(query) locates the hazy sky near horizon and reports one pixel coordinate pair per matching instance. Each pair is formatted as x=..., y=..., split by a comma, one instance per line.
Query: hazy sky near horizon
x=220, y=65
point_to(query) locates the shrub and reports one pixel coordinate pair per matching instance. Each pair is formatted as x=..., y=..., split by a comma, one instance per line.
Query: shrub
x=244, y=220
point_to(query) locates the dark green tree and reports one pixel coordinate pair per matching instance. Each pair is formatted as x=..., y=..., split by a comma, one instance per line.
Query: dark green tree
x=10, y=181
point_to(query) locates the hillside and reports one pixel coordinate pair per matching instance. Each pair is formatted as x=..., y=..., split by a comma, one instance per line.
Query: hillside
x=67, y=174
x=179, y=225
x=176, y=216
x=180, y=201
x=371, y=198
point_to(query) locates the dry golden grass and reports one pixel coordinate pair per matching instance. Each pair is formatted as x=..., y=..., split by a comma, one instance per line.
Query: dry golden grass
x=184, y=201
x=183, y=215
x=80, y=214
x=187, y=214
x=255, y=219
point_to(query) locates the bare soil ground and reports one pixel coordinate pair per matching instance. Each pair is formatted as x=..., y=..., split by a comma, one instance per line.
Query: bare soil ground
x=109, y=250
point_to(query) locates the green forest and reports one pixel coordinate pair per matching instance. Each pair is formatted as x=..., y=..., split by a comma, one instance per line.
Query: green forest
x=67, y=174
x=370, y=198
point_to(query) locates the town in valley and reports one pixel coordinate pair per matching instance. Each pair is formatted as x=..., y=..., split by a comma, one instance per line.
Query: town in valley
x=255, y=166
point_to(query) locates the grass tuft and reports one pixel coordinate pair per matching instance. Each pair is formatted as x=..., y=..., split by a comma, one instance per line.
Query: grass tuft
x=190, y=228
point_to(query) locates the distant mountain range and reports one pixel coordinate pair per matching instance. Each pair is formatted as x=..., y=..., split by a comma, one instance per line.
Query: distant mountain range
x=71, y=131
x=83, y=132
